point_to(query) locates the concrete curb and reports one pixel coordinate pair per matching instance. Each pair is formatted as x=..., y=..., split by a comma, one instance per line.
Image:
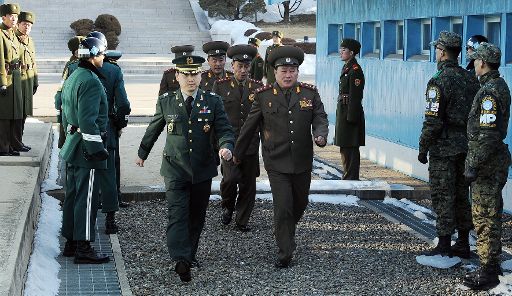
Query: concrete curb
x=121, y=271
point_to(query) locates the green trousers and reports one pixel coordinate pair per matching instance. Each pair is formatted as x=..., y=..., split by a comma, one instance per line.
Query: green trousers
x=108, y=184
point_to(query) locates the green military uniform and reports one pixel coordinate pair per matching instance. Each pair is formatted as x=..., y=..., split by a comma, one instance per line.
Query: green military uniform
x=350, y=123
x=257, y=62
x=11, y=113
x=238, y=97
x=169, y=82
x=268, y=71
x=188, y=163
x=448, y=97
x=85, y=117
x=208, y=77
x=488, y=160
x=288, y=119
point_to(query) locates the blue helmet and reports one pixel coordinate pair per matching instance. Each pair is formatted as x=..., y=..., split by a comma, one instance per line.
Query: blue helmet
x=91, y=47
x=99, y=35
x=475, y=40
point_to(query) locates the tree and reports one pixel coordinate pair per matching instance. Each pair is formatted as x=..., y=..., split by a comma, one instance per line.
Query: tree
x=288, y=9
x=232, y=9
x=253, y=7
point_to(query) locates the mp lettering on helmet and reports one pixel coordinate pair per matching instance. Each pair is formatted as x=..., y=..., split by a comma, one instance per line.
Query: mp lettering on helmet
x=488, y=111
x=432, y=101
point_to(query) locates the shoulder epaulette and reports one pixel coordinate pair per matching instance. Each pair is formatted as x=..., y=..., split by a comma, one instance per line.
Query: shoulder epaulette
x=355, y=66
x=263, y=88
x=166, y=94
x=307, y=85
x=223, y=80
x=170, y=70
x=230, y=72
x=256, y=81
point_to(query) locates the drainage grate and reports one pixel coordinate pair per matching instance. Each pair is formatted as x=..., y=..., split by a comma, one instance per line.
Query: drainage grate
x=325, y=170
x=90, y=279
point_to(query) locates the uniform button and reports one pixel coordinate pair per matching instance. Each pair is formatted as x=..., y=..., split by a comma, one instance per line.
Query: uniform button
x=189, y=131
x=242, y=113
x=189, y=122
x=291, y=121
x=291, y=132
x=190, y=140
x=290, y=112
x=190, y=150
x=242, y=105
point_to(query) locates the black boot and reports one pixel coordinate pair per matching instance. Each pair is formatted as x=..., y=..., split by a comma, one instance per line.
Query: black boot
x=85, y=254
x=485, y=278
x=442, y=248
x=183, y=270
x=227, y=215
x=461, y=247
x=110, y=223
x=69, y=248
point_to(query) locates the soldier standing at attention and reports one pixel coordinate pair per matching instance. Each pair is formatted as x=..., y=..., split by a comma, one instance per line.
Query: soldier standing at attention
x=257, y=62
x=216, y=51
x=237, y=94
x=169, y=82
x=189, y=116
x=268, y=71
x=350, y=133
x=448, y=100
x=471, y=46
x=29, y=81
x=85, y=118
x=290, y=114
x=11, y=113
x=487, y=163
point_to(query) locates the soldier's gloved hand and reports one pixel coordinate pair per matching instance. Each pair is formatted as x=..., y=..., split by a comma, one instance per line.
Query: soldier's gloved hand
x=3, y=90
x=236, y=160
x=225, y=154
x=96, y=156
x=470, y=175
x=320, y=141
x=422, y=157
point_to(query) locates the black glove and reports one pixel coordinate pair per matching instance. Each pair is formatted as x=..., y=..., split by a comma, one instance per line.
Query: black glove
x=34, y=90
x=96, y=156
x=470, y=175
x=422, y=157
x=3, y=91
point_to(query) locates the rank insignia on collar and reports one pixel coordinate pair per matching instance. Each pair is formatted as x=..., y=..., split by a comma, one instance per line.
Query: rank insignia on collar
x=232, y=84
x=275, y=92
x=298, y=89
x=251, y=97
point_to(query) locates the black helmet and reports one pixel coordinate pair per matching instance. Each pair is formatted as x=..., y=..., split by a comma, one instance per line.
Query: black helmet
x=91, y=47
x=475, y=40
x=99, y=35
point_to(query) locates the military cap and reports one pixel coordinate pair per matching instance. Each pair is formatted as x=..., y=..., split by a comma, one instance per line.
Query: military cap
x=9, y=8
x=277, y=33
x=448, y=39
x=113, y=55
x=27, y=16
x=242, y=53
x=215, y=48
x=189, y=63
x=74, y=43
x=182, y=50
x=351, y=44
x=487, y=52
x=254, y=40
x=286, y=56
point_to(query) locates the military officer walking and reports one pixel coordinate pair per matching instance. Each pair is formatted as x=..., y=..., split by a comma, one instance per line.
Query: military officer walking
x=290, y=114
x=85, y=118
x=350, y=130
x=29, y=81
x=11, y=113
x=257, y=62
x=216, y=51
x=169, y=82
x=487, y=163
x=237, y=94
x=189, y=115
x=448, y=100
x=268, y=71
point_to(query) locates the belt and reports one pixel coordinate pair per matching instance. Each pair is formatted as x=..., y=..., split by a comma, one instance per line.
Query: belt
x=344, y=99
x=27, y=67
x=72, y=129
x=12, y=66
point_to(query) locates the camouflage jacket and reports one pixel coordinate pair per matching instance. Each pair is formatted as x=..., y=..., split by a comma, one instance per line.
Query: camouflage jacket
x=448, y=100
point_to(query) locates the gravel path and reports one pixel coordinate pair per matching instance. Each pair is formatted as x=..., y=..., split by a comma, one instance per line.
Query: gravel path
x=341, y=251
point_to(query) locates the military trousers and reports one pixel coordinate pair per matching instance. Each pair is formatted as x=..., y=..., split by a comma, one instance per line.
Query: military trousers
x=290, y=198
x=117, y=161
x=487, y=207
x=186, y=213
x=108, y=184
x=449, y=194
x=17, y=136
x=242, y=176
x=5, y=135
x=80, y=203
x=350, y=159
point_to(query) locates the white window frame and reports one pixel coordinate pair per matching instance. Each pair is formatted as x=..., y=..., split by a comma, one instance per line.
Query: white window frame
x=456, y=20
x=398, y=24
x=357, y=33
x=425, y=22
x=491, y=19
x=376, y=27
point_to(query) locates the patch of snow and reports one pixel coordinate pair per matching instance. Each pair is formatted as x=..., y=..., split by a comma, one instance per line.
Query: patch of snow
x=53, y=171
x=33, y=120
x=438, y=261
x=507, y=265
x=504, y=287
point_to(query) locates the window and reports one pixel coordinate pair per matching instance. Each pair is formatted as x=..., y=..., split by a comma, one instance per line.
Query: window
x=426, y=36
x=492, y=29
x=456, y=25
x=400, y=37
x=358, y=32
x=334, y=33
x=376, y=37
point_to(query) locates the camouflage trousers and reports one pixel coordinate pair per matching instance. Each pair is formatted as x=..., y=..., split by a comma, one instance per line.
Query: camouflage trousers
x=449, y=194
x=487, y=207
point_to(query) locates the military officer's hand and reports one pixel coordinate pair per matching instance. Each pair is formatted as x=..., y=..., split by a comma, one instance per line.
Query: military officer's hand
x=320, y=141
x=422, y=157
x=139, y=162
x=470, y=175
x=225, y=154
x=3, y=90
x=236, y=160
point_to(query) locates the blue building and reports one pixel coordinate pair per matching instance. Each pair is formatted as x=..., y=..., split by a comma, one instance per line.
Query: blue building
x=398, y=62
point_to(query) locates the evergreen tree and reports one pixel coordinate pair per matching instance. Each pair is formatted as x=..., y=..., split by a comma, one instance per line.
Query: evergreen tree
x=232, y=9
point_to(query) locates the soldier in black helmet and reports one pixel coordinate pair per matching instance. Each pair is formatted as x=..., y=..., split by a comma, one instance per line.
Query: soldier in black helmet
x=257, y=62
x=216, y=51
x=169, y=82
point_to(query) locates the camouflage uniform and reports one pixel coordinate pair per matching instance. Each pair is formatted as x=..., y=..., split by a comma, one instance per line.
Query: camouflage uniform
x=448, y=99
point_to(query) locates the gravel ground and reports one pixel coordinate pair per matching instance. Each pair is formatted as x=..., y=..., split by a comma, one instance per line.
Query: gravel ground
x=341, y=251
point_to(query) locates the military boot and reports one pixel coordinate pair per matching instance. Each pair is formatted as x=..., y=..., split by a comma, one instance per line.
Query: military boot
x=182, y=268
x=442, y=248
x=461, y=247
x=227, y=215
x=69, y=248
x=85, y=254
x=484, y=278
x=110, y=223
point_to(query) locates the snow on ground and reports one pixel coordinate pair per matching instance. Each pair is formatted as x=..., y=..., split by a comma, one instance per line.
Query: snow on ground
x=33, y=120
x=321, y=185
x=53, y=172
x=323, y=170
x=417, y=210
x=438, y=261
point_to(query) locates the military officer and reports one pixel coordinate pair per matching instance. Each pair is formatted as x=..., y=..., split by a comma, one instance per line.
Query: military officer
x=11, y=113
x=189, y=115
x=472, y=44
x=257, y=62
x=216, y=51
x=448, y=100
x=487, y=163
x=85, y=118
x=350, y=130
x=290, y=114
x=169, y=82
x=237, y=94
x=268, y=72
x=29, y=81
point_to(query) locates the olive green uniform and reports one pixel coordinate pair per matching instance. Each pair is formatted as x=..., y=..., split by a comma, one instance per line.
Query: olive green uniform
x=268, y=70
x=188, y=163
x=70, y=66
x=208, y=78
x=29, y=80
x=168, y=82
x=257, y=67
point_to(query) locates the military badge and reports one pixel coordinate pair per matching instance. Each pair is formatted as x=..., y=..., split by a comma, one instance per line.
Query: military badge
x=205, y=110
x=432, y=101
x=206, y=128
x=488, y=112
x=170, y=127
x=190, y=60
x=306, y=104
x=275, y=92
x=232, y=84
x=251, y=97
x=297, y=90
